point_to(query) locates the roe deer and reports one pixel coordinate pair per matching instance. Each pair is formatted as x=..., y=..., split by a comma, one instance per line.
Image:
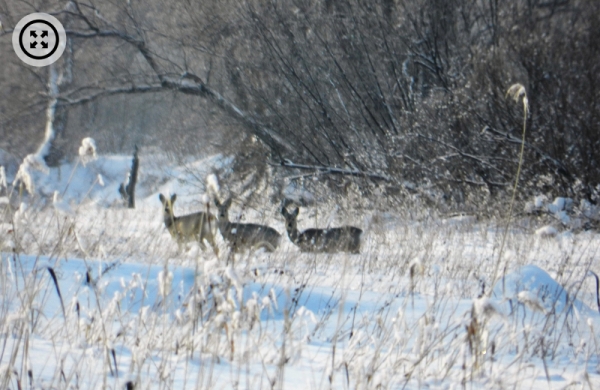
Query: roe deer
x=340, y=239
x=245, y=235
x=192, y=227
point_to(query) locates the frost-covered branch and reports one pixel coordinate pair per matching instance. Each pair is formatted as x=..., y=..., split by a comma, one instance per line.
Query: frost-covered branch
x=333, y=170
x=44, y=149
x=63, y=100
x=37, y=161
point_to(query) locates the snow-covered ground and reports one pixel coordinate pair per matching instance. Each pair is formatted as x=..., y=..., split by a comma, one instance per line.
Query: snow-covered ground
x=416, y=309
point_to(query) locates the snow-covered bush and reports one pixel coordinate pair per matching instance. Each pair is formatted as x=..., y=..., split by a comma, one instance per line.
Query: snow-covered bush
x=26, y=174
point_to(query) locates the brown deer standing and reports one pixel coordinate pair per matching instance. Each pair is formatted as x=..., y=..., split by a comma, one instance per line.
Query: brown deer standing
x=340, y=239
x=197, y=227
x=245, y=235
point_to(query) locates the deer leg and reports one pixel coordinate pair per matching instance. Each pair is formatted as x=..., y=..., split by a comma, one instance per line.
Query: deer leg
x=211, y=241
x=201, y=243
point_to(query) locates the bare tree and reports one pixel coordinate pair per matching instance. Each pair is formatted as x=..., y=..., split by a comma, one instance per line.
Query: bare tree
x=399, y=92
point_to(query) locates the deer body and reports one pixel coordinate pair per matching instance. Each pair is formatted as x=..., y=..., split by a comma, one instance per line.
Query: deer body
x=245, y=235
x=197, y=227
x=340, y=239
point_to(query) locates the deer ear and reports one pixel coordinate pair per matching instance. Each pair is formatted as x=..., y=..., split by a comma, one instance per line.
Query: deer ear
x=227, y=203
x=217, y=203
x=161, y=198
x=173, y=198
x=295, y=212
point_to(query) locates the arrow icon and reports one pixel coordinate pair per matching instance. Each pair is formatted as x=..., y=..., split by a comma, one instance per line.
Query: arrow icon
x=38, y=39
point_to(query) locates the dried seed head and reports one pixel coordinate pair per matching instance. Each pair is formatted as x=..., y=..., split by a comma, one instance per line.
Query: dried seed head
x=485, y=308
x=532, y=301
x=516, y=92
x=87, y=150
x=415, y=268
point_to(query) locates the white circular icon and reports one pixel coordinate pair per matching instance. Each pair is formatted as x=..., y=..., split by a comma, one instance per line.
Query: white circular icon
x=39, y=39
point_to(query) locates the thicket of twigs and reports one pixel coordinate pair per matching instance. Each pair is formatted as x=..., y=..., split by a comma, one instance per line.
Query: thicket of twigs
x=400, y=97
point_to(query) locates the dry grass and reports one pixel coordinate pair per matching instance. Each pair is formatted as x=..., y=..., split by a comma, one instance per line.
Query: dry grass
x=404, y=313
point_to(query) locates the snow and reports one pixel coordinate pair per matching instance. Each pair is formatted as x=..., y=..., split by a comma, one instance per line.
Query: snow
x=535, y=288
x=396, y=316
x=466, y=220
x=559, y=208
x=546, y=231
x=61, y=206
x=539, y=201
x=298, y=194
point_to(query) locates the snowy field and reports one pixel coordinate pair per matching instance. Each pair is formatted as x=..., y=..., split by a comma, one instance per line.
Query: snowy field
x=94, y=295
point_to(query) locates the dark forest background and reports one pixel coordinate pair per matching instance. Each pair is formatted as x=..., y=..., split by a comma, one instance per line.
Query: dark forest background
x=399, y=96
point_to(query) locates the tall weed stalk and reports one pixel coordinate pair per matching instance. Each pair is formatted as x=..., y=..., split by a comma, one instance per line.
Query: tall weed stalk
x=516, y=92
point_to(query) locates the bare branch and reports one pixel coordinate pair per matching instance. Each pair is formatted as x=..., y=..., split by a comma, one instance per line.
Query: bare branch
x=333, y=170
